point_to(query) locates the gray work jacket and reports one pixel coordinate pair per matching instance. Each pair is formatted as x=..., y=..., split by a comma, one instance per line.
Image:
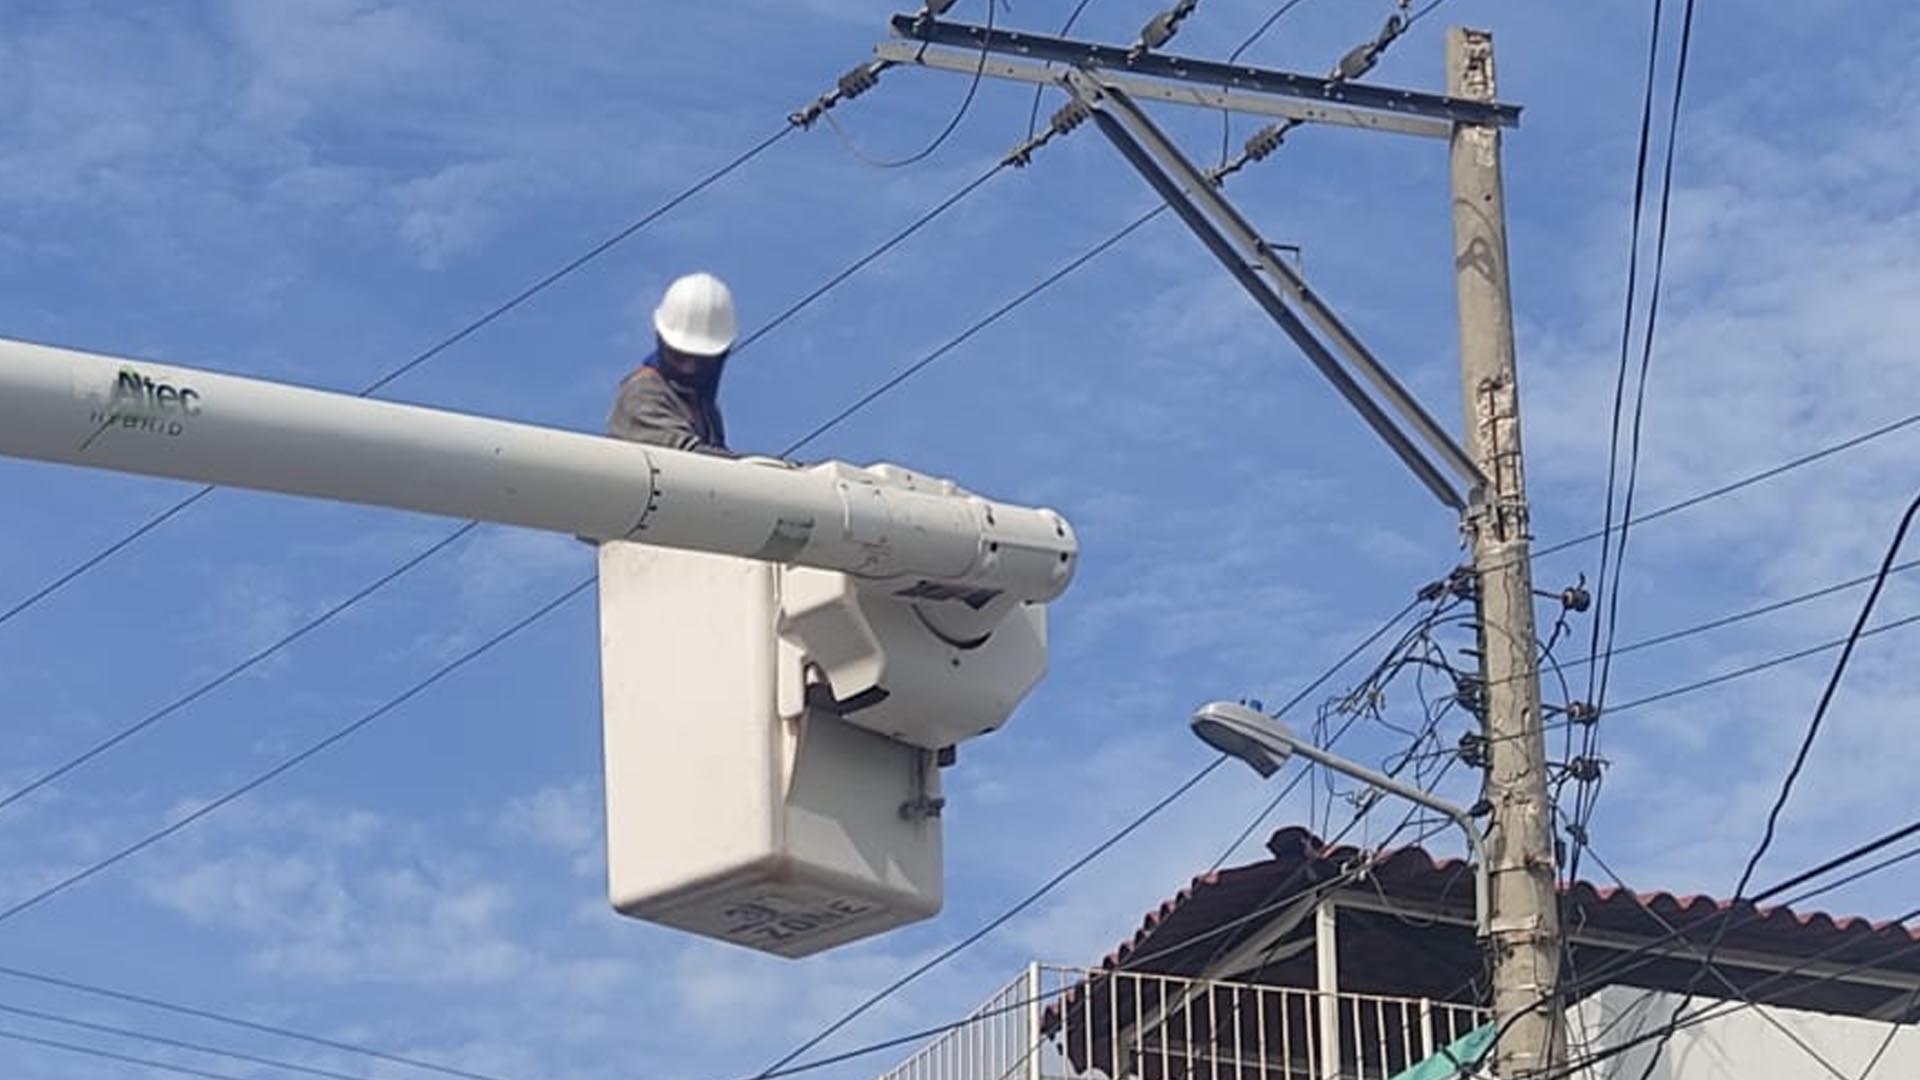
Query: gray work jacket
x=654, y=408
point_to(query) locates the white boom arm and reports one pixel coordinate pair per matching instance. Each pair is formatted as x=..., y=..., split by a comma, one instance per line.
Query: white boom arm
x=141, y=417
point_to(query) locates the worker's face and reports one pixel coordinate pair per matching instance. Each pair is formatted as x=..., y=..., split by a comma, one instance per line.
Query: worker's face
x=689, y=366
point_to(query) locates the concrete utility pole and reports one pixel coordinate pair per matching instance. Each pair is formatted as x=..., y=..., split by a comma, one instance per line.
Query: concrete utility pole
x=1525, y=938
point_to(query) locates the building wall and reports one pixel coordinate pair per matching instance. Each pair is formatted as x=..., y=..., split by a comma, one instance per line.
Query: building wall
x=1746, y=1044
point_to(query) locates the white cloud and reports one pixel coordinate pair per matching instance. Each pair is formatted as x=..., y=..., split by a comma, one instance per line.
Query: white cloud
x=568, y=820
x=348, y=898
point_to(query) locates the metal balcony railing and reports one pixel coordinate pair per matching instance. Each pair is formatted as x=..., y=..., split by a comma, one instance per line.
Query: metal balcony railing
x=1057, y=1023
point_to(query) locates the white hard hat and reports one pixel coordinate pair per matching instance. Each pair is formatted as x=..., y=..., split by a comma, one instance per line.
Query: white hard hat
x=696, y=316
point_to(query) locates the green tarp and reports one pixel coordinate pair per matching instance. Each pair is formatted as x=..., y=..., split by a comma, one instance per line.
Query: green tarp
x=1466, y=1049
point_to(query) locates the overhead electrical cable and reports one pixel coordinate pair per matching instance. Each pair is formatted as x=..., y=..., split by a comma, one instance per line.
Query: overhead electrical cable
x=1800, y=757
x=278, y=1031
x=176, y=1044
x=109, y=1055
x=959, y=114
x=438, y=347
x=294, y=761
x=1742, y=483
x=443, y=543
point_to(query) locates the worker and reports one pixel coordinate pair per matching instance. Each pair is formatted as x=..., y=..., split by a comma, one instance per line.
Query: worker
x=672, y=399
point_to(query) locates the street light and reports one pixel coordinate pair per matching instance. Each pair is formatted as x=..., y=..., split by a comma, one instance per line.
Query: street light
x=1263, y=743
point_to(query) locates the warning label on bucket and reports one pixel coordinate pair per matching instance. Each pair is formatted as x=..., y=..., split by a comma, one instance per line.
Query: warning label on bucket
x=779, y=919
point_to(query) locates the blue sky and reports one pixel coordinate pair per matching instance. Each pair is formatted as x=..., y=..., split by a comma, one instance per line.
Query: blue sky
x=314, y=190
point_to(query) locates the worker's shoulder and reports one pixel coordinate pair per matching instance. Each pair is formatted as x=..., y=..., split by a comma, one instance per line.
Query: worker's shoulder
x=643, y=380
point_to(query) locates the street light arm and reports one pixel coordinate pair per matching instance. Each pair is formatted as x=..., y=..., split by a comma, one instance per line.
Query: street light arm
x=1262, y=742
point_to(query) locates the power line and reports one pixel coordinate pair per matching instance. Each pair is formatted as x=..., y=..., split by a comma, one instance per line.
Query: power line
x=1753, y=612
x=177, y=1009
x=297, y=759
x=1722, y=1009
x=1646, y=343
x=1730, y=917
x=109, y=1055
x=861, y=403
x=1723, y=677
x=1733, y=988
x=959, y=114
x=1754, y=669
x=988, y=320
x=177, y=1044
x=995, y=923
x=1799, y=759
x=1640, y=392
x=862, y=262
x=1344, y=876
x=1626, y=337
x=1737, y=485
x=1826, y=699
x=440, y=673
x=1287, y=789
x=438, y=347
x=229, y=674
x=1768, y=608
x=233, y=672
x=1033, y=113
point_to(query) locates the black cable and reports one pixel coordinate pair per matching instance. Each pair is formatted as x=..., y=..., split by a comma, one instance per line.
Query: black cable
x=1731, y=987
x=1725, y=677
x=779, y=1068
x=1750, y=613
x=966, y=103
x=1720, y=1009
x=1727, y=918
x=1754, y=669
x=1033, y=113
x=955, y=342
x=130, y=998
x=1226, y=116
x=1350, y=874
x=998, y=1010
x=1626, y=339
x=1648, y=329
x=297, y=759
x=109, y=1055
x=1744, y=482
x=1799, y=760
x=993, y=924
x=1288, y=706
x=233, y=672
x=422, y=357
x=1607, y=619
x=177, y=1044
x=859, y=264
x=1826, y=699
x=770, y=326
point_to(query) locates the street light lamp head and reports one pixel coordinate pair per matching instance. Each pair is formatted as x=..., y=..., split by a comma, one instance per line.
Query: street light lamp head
x=1244, y=733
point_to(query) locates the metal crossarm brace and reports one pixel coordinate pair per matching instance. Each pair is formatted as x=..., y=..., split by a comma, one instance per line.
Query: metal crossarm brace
x=1253, y=80
x=1178, y=93
x=1240, y=248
